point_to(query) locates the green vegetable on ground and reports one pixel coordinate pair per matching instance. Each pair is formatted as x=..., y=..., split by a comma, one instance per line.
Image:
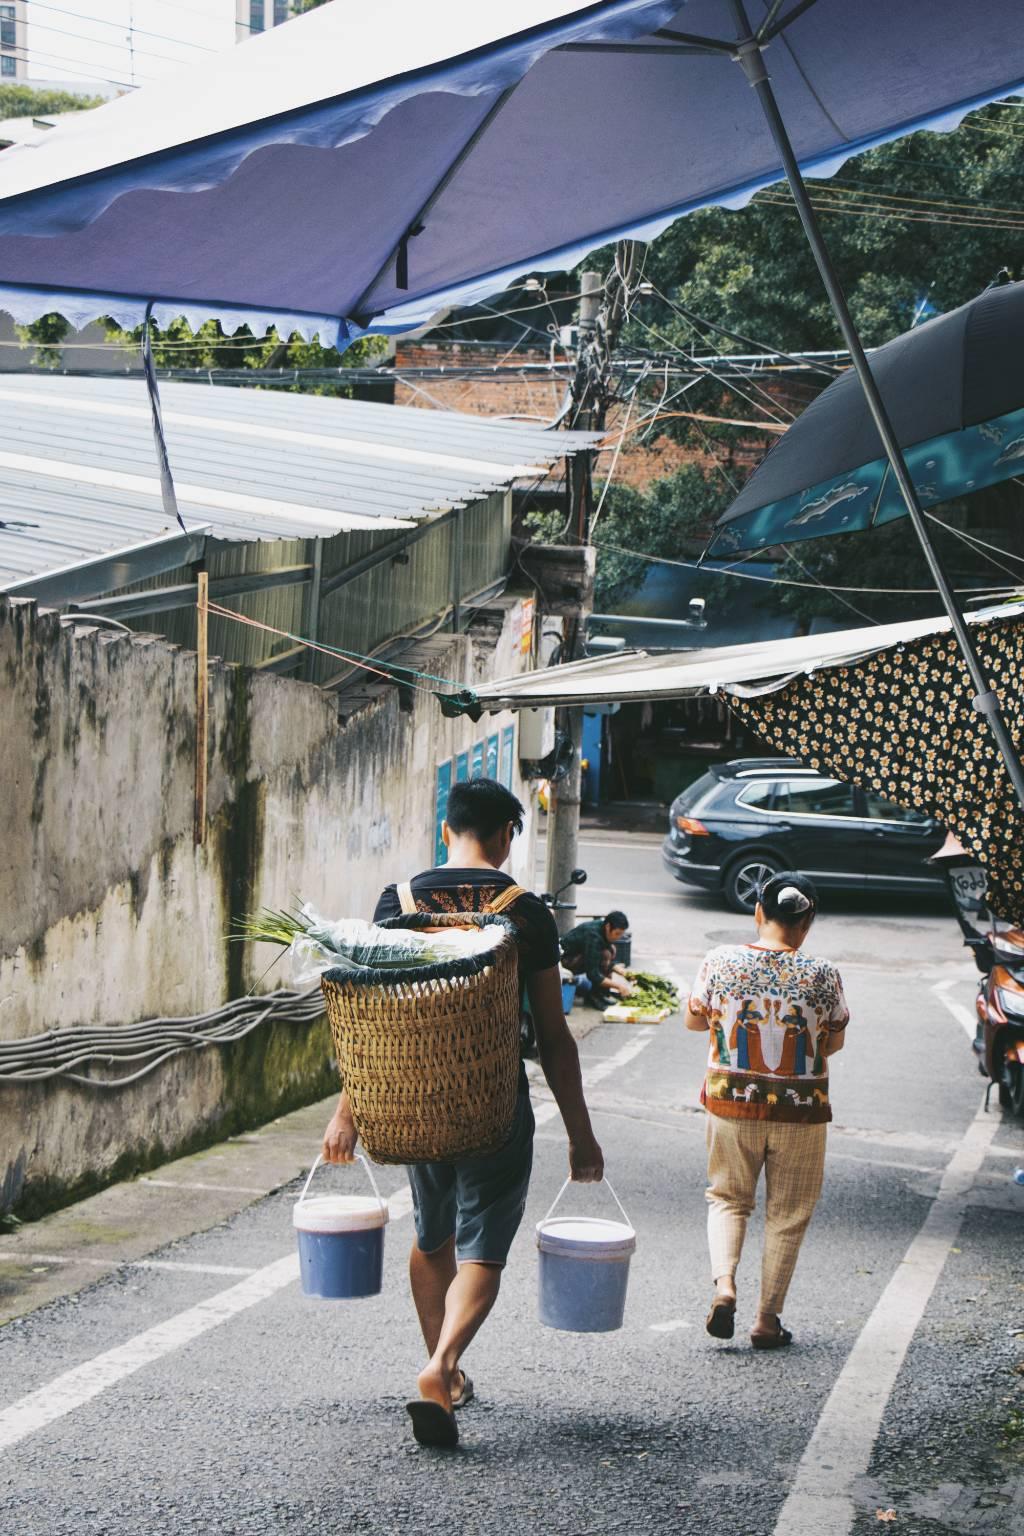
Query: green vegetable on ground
x=650, y=991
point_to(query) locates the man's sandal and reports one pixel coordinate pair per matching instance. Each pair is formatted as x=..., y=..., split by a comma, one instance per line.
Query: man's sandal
x=777, y=1340
x=721, y=1320
x=433, y=1425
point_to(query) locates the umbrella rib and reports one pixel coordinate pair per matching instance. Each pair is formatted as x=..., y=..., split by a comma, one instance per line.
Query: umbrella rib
x=398, y=252
x=770, y=28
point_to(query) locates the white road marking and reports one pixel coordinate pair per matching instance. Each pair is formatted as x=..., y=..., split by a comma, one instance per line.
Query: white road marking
x=617, y=890
x=548, y=1110
x=672, y=1326
x=221, y=1189
x=964, y=1016
x=73, y=1388
x=86, y=1381
x=643, y=840
x=820, y=1501
x=94, y=1263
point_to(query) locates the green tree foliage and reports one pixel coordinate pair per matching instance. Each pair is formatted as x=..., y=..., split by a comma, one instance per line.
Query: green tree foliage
x=928, y=219
x=29, y=101
x=178, y=346
x=931, y=215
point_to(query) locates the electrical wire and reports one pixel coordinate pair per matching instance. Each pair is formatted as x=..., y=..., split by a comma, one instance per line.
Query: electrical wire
x=63, y=1053
x=101, y=21
x=615, y=456
x=48, y=60
x=99, y=42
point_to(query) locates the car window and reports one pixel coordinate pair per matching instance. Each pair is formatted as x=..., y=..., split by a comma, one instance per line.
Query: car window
x=814, y=797
x=884, y=810
x=694, y=793
x=759, y=796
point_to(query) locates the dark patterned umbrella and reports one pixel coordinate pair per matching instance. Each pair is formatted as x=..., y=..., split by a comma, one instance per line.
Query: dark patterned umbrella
x=954, y=390
x=901, y=723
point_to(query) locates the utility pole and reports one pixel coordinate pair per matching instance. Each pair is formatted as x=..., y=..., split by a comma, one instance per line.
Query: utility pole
x=603, y=308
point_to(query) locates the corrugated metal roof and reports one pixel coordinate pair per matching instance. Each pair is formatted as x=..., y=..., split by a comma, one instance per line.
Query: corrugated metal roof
x=78, y=475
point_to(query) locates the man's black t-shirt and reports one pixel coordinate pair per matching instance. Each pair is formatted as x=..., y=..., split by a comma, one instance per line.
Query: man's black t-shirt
x=448, y=889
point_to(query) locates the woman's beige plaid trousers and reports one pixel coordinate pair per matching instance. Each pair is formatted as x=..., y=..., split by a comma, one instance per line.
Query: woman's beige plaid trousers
x=793, y=1159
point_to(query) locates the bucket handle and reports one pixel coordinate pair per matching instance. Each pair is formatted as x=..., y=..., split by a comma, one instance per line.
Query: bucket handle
x=359, y=1158
x=611, y=1191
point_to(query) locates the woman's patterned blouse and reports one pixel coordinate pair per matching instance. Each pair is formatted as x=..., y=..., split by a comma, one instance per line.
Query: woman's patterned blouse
x=769, y=1013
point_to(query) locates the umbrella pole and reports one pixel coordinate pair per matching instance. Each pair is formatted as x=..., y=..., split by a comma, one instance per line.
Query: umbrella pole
x=986, y=701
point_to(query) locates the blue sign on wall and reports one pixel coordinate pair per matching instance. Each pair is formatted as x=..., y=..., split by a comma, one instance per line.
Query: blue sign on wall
x=444, y=784
x=492, y=757
x=478, y=761
x=508, y=737
x=462, y=768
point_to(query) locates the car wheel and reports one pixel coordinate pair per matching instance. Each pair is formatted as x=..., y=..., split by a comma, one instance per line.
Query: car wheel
x=744, y=879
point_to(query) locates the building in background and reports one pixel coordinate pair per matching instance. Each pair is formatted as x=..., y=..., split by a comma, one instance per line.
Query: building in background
x=257, y=15
x=13, y=41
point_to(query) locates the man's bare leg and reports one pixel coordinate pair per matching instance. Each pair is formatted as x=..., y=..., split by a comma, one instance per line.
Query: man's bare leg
x=470, y=1297
x=430, y=1275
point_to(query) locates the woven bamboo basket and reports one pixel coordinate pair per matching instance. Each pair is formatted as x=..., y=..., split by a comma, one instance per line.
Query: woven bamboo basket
x=430, y=1057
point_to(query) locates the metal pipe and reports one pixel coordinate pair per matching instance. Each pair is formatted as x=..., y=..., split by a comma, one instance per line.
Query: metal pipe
x=749, y=56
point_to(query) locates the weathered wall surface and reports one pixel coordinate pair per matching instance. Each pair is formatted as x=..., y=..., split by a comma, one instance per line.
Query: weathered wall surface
x=110, y=914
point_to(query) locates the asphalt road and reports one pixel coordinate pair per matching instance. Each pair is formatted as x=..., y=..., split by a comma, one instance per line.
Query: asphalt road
x=213, y=1398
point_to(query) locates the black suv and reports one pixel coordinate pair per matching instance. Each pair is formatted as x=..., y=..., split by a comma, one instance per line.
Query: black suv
x=744, y=820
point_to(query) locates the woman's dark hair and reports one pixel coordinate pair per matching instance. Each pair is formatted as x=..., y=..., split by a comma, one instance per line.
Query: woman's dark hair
x=789, y=897
x=483, y=807
x=616, y=920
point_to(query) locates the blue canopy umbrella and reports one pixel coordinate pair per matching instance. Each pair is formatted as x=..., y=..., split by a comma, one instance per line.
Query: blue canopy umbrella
x=362, y=166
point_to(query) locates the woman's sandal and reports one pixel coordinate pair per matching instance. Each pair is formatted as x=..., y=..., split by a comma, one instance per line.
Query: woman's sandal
x=466, y=1395
x=721, y=1320
x=777, y=1340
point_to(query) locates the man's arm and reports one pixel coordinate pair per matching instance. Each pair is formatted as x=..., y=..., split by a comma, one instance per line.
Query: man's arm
x=560, y=1061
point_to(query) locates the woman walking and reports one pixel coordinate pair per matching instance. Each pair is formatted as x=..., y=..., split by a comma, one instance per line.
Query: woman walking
x=774, y=1016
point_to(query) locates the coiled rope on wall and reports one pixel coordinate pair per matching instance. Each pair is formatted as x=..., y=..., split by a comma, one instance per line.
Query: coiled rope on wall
x=61, y=1054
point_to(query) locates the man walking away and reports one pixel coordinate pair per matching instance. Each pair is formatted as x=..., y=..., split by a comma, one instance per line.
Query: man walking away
x=467, y=1212
x=774, y=1016
x=583, y=953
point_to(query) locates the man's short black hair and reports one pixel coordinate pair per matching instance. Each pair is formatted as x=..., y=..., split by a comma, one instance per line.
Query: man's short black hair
x=482, y=807
x=616, y=920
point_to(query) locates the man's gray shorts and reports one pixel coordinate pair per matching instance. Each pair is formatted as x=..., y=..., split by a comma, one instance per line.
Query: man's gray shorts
x=478, y=1200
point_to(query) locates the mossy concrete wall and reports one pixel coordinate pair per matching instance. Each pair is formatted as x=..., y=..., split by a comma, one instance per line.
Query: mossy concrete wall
x=110, y=914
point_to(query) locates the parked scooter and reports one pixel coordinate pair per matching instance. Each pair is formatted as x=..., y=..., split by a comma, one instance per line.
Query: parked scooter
x=999, y=956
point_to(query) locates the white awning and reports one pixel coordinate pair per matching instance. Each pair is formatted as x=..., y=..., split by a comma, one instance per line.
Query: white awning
x=632, y=676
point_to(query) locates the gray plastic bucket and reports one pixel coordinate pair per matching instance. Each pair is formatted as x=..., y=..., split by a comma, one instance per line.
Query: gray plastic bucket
x=341, y=1242
x=583, y=1270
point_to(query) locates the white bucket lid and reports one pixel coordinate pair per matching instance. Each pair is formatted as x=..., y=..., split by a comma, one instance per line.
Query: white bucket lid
x=339, y=1213
x=585, y=1237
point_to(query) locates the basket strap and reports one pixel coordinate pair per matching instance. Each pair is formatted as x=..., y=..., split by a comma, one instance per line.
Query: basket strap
x=504, y=899
x=406, y=899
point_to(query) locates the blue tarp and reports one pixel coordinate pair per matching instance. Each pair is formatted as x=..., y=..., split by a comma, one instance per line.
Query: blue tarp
x=276, y=183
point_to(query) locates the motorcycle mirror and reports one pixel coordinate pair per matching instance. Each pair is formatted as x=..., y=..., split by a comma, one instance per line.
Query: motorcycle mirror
x=578, y=877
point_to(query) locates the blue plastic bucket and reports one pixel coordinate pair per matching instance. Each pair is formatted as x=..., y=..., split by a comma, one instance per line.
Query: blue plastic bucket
x=583, y=1270
x=568, y=995
x=341, y=1242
